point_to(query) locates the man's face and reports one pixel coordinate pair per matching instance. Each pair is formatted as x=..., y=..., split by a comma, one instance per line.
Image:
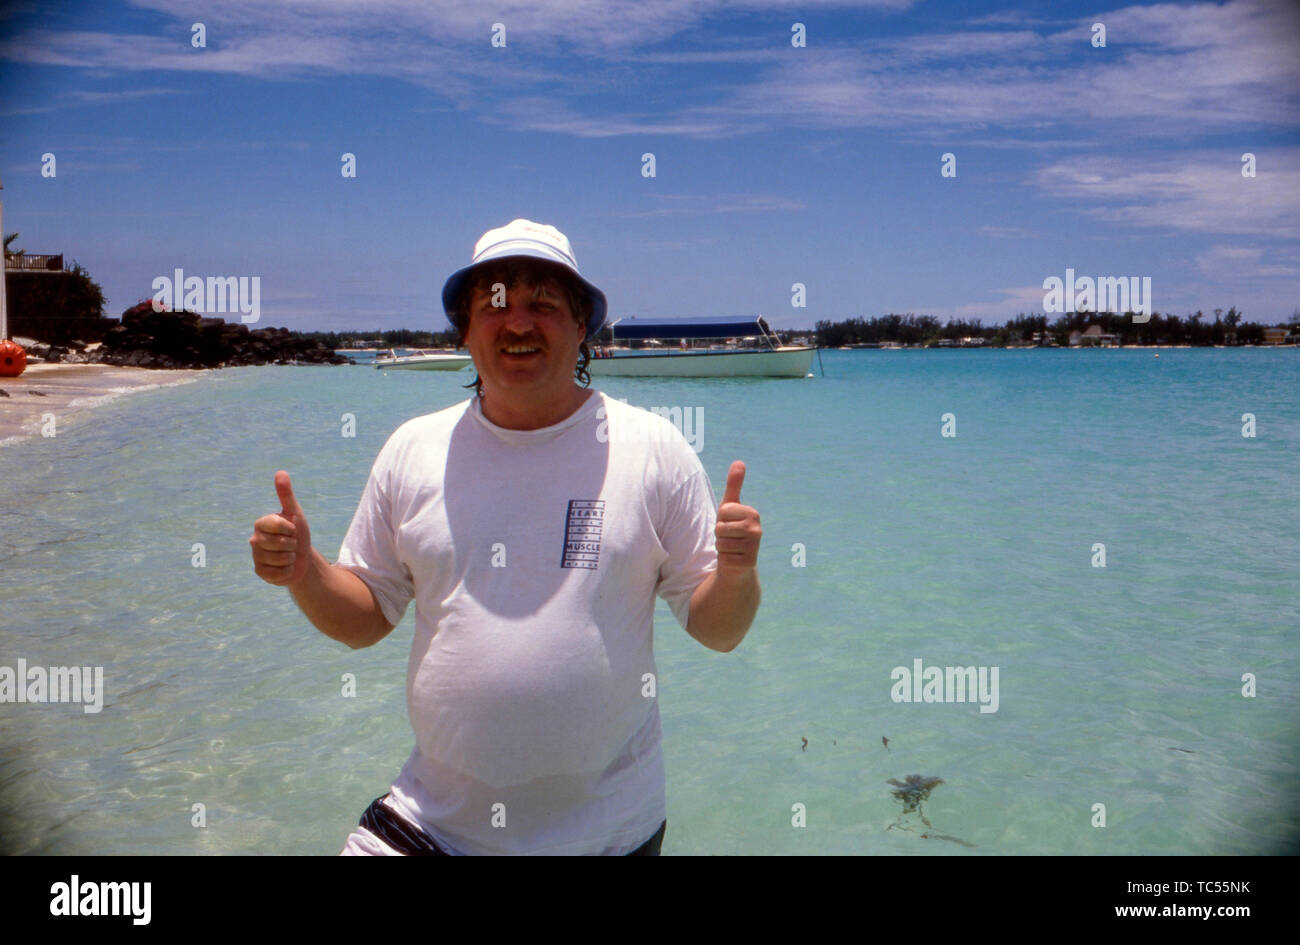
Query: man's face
x=524, y=350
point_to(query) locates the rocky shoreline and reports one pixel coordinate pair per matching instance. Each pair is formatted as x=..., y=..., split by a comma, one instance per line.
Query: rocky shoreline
x=171, y=340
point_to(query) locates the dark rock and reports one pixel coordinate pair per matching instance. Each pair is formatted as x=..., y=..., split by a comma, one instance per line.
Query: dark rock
x=183, y=339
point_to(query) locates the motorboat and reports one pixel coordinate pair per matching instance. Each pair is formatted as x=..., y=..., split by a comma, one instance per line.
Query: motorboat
x=699, y=347
x=422, y=361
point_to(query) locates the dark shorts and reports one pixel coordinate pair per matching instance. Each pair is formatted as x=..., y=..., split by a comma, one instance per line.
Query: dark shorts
x=410, y=840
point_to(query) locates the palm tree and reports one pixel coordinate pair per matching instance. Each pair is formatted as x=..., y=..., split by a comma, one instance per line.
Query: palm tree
x=10, y=253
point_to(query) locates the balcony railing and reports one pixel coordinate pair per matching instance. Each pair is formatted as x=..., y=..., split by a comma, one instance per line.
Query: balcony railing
x=35, y=262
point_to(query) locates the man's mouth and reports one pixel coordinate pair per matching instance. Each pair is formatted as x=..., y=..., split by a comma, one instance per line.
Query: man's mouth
x=521, y=350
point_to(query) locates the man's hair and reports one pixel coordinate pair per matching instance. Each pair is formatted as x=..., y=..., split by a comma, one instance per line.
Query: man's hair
x=533, y=274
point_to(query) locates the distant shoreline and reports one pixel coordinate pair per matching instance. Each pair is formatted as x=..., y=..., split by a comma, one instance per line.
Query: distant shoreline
x=65, y=390
x=886, y=346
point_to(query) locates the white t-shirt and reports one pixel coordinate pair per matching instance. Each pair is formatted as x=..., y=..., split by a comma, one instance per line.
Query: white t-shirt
x=534, y=558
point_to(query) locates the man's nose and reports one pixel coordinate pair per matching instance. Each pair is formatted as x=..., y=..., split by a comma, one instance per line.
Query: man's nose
x=518, y=314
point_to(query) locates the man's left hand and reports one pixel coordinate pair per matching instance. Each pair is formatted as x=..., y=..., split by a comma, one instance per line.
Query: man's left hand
x=738, y=531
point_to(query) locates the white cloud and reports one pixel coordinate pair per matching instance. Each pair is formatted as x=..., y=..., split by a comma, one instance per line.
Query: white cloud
x=1026, y=300
x=118, y=95
x=709, y=204
x=1240, y=262
x=1201, y=192
x=1169, y=71
x=1166, y=69
x=591, y=24
x=1003, y=232
x=537, y=113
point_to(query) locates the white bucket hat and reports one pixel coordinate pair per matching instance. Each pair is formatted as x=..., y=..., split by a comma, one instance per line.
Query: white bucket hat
x=525, y=238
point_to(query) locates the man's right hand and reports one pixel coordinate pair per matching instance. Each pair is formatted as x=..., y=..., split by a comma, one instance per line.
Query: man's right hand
x=281, y=541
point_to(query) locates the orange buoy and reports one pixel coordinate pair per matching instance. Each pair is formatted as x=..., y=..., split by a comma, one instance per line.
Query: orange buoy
x=13, y=359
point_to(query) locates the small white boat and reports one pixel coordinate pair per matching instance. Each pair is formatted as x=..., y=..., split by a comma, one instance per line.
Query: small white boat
x=740, y=347
x=423, y=361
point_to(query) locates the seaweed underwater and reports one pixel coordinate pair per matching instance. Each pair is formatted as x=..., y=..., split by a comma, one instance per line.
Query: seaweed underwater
x=913, y=793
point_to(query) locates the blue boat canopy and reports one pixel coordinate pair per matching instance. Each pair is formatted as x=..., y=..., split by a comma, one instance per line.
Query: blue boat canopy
x=632, y=329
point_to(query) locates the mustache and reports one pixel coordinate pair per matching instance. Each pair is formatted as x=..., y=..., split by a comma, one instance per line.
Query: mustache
x=532, y=341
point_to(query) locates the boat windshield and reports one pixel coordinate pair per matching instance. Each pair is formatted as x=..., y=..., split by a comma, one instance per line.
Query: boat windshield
x=683, y=334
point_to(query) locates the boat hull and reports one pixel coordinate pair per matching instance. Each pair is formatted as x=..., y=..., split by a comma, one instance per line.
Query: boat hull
x=448, y=362
x=783, y=362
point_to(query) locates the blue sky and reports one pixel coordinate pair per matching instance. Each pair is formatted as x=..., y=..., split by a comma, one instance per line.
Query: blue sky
x=774, y=164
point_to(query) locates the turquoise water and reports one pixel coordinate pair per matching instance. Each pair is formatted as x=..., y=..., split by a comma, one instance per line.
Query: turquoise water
x=969, y=550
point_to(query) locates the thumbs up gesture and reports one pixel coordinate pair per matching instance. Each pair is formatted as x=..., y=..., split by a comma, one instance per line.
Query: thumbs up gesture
x=281, y=541
x=738, y=531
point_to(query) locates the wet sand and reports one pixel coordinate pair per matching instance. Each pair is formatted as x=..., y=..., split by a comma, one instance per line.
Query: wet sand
x=68, y=389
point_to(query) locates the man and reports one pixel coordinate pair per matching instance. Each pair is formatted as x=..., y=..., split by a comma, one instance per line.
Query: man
x=533, y=525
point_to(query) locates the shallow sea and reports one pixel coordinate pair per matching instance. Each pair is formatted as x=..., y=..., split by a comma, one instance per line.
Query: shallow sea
x=1119, y=685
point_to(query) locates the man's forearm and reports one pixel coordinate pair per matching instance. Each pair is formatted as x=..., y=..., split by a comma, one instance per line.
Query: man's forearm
x=723, y=607
x=340, y=604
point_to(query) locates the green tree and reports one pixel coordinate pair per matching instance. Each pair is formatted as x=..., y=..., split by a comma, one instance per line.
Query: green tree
x=86, y=294
x=56, y=306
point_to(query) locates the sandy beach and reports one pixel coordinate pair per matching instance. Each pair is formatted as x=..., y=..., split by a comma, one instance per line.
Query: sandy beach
x=65, y=389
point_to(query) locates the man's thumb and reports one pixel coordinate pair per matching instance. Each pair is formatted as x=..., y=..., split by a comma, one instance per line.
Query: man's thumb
x=735, y=479
x=284, y=489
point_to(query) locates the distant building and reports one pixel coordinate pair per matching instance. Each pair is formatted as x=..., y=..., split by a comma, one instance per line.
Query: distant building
x=34, y=262
x=1276, y=335
x=1093, y=336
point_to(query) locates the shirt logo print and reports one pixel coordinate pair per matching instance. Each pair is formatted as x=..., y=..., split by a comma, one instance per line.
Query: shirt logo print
x=582, y=529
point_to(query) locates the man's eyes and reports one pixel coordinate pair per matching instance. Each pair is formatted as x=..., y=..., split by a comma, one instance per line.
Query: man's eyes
x=545, y=305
